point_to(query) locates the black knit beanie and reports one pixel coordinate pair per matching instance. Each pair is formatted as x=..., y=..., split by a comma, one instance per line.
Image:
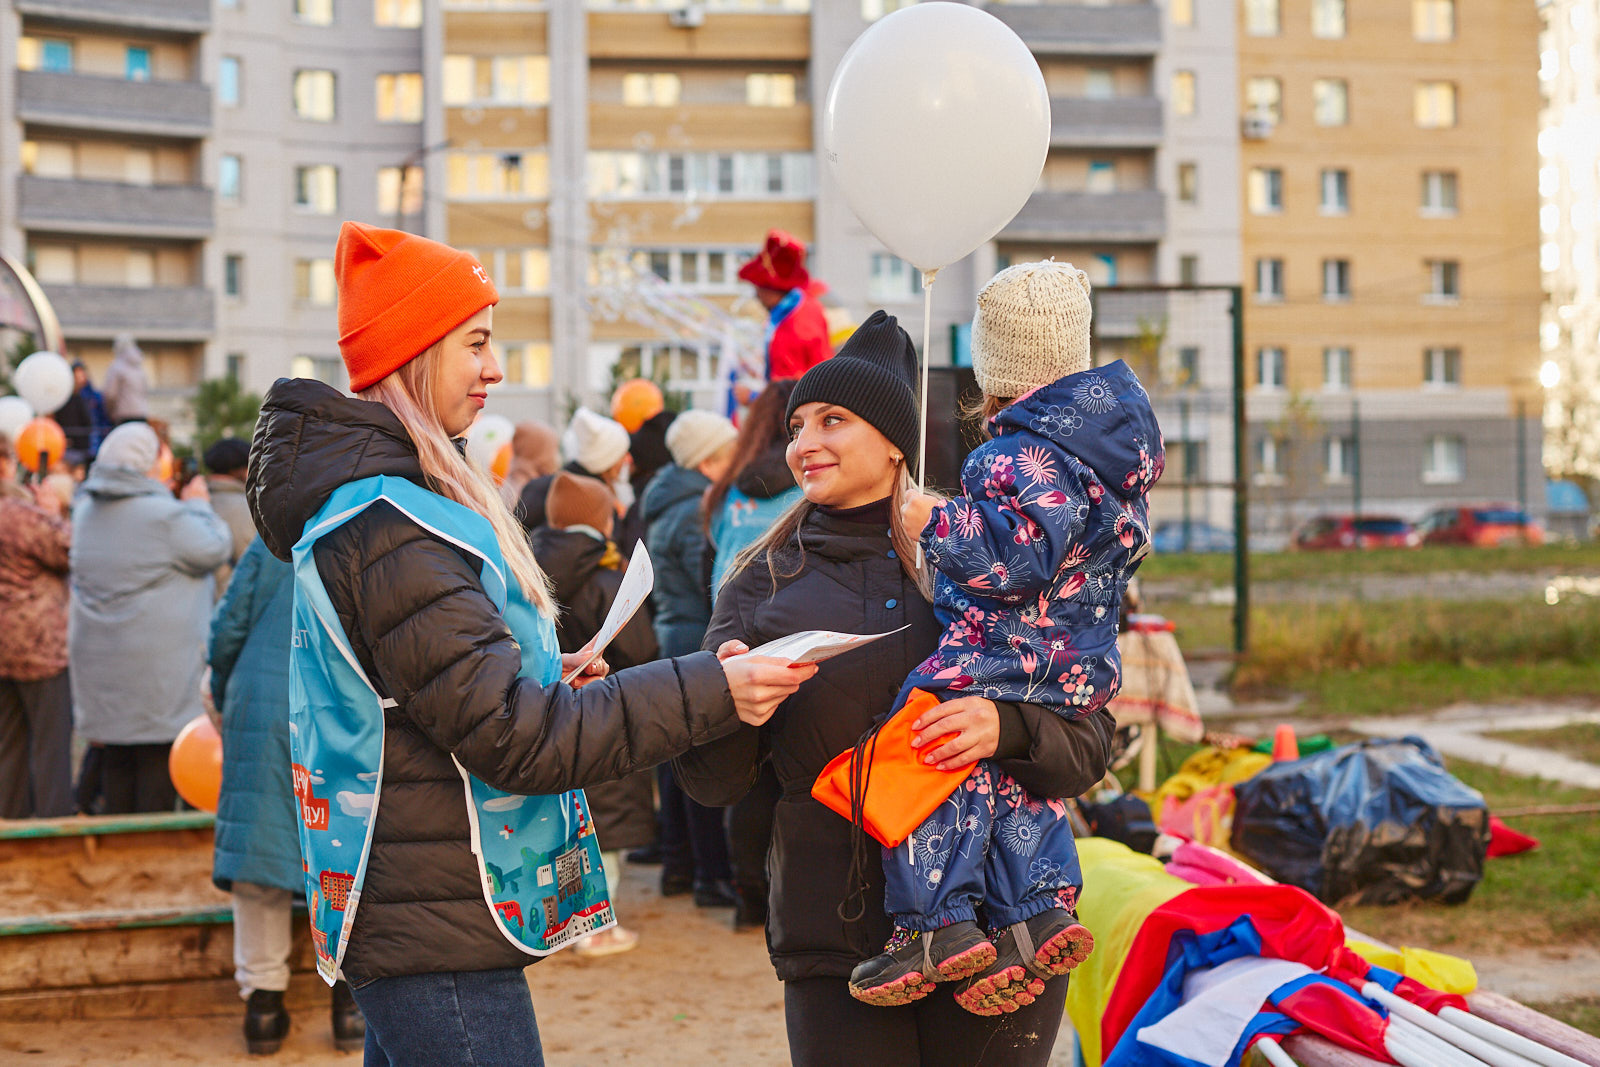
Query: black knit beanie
x=874, y=376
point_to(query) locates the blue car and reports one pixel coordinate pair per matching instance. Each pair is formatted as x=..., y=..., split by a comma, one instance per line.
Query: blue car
x=1202, y=537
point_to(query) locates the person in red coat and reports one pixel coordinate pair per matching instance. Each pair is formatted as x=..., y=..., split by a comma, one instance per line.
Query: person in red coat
x=797, y=331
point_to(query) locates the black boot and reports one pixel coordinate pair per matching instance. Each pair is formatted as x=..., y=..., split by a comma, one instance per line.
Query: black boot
x=913, y=962
x=349, y=1025
x=716, y=894
x=751, y=911
x=266, y=1022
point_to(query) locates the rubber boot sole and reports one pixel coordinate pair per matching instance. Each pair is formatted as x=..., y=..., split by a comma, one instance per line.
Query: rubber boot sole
x=1016, y=985
x=914, y=985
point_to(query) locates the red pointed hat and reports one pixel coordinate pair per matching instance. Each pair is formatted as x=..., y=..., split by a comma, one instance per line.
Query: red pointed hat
x=398, y=294
x=781, y=264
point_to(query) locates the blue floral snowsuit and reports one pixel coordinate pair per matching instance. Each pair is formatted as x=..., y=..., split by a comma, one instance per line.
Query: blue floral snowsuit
x=1032, y=561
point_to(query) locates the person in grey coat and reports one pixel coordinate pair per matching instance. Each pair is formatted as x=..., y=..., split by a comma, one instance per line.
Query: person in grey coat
x=139, y=614
x=126, y=385
x=226, y=463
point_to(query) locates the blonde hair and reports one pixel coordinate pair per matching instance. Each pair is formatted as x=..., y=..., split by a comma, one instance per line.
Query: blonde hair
x=409, y=393
x=783, y=539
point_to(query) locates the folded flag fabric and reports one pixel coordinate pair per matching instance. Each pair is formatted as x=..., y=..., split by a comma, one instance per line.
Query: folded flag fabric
x=1504, y=841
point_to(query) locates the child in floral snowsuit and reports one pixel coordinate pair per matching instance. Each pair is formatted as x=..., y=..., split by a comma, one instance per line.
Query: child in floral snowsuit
x=1031, y=563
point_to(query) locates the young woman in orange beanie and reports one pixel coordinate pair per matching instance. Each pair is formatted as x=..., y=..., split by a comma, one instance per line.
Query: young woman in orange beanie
x=436, y=751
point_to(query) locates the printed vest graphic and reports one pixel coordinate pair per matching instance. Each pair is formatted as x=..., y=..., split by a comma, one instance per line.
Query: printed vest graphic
x=538, y=857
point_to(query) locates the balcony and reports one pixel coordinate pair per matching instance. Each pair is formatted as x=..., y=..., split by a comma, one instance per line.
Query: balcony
x=92, y=102
x=67, y=205
x=91, y=312
x=182, y=17
x=1084, y=29
x=1137, y=217
x=1120, y=122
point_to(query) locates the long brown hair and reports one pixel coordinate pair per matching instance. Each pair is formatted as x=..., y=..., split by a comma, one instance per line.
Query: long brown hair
x=782, y=545
x=762, y=427
x=409, y=393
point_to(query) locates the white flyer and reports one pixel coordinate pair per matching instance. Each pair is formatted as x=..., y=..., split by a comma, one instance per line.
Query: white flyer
x=814, y=646
x=637, y=582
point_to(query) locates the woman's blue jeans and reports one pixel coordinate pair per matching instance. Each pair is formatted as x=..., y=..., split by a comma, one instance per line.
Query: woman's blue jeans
x=450, y=1019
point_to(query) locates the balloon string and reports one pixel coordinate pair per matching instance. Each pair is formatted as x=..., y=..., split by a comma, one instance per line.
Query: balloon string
x=922, y=426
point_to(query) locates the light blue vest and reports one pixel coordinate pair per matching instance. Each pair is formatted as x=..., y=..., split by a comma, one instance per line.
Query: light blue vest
x=742, y=520
x=537, y=856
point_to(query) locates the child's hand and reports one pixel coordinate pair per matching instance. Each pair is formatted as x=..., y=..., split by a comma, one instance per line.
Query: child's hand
x=916, y=510
x=975, y=724
x=592, y=673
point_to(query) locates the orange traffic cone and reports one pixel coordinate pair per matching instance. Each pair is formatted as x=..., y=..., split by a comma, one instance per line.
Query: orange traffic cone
x=1284, y=744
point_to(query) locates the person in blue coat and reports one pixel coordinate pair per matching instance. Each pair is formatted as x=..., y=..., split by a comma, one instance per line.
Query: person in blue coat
x=257, y=844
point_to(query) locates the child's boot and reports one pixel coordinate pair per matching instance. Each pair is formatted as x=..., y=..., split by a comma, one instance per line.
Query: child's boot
x=1028, y=954
x=912, y=962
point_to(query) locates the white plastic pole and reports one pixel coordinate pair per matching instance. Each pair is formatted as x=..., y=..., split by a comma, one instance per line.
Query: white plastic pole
x=1274, y=1053
x=927, y=335
x=1444, y=1053
x=1485, y=1050
x=1499, y=1035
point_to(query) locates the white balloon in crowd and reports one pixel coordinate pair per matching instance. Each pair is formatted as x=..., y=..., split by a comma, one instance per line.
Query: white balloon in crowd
x=44, y=380
x=487, y=437
x=936, y=126
x=15, y=413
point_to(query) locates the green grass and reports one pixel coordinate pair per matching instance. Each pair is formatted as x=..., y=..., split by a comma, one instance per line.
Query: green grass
x=1580, y=740
x=1210, y=569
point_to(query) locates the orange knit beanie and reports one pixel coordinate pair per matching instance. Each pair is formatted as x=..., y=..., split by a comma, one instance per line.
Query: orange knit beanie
x=398, y=294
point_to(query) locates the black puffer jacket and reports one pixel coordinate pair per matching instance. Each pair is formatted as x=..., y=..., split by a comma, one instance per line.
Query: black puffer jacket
x=415, y=612
x=624, y=811
x=852, y=582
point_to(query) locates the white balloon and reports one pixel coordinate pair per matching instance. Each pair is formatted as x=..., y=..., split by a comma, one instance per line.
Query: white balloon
x=44, y=380
x=15, y=413
x=936, y=126
x=487, y=436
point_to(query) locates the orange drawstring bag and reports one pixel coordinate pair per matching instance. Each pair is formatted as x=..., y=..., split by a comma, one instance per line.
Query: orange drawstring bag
x=882, y=784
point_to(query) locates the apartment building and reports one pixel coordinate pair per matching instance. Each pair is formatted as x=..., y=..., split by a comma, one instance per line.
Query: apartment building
x=1390, y=238
x=104, y=156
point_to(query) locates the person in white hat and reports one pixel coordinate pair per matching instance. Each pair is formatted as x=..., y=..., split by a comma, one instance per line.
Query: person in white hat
x=594, y=447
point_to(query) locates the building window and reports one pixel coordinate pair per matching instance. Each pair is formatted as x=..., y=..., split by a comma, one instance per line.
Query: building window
x=50, y=159
x=1327, y=18
x=1098, y=84
x=314, y=12
x=1189, y=270
x=1444, y=281
x=1261, y=18
x=141, y=268
x=401, y=14
x=314, y=95
x=1434, y=105
x=1263, y=98
x=1336, y=369
x=651, y=90
x=1183, y=93
x=1433, y=20
x=316, y=188
x=1336, y=280
x=1189, y=366
x=399, y=193
x=1188, y=183
x=233, y=275
x=1265, y=190
x=1443, y=459
x=769, y=90
x=498, y=176
x=229, y=178
x=136, y=64
x=1330, y=101
x=1335, y=183
x=234, y=371
x=1269, y=456
x=1102, y=176
x=526, y=363
x=518, y=270
x=314, y=283
x=327, y=369
x=1181, y=12
x=1438, y=192
x=1103, y=268
x=873, y=10
x=1339, y=458
x=507, y=79
x=1269, y=280
x=229, y=81
x=1441, y=368
x=892, y=279
x=53, y=55
x=53, y=264
x=1269, y=368
x=744, y=175
x=399, y=97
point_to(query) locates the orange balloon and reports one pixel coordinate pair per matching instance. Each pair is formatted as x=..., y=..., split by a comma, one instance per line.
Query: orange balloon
x=502, y=464
x=40, y=443
x=635, y=401
x=196, y=764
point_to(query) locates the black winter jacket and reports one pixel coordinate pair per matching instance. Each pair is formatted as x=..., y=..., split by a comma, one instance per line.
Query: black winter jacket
x=422, y=628
x=624, y=811
x=852, y=582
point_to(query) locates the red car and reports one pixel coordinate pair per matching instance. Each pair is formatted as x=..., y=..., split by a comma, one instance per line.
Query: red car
x=1346, y=531
x=1484, y=526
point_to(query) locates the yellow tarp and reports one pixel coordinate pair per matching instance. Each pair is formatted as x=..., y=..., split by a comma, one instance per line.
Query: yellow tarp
x=1208, y=767
x=1448, y=974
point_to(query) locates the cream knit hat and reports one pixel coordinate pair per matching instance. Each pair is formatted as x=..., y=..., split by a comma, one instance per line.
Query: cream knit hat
x=1032, y=328
x=696, y=436
x=594, y=442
